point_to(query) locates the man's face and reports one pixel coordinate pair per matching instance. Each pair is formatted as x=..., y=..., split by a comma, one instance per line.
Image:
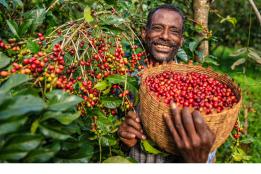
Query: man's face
x=164, y=36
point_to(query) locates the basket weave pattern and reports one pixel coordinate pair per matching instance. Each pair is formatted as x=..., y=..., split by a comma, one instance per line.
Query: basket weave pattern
x=152, y=108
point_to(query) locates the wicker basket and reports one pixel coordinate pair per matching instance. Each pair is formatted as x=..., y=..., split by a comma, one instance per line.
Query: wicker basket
x=152, y=109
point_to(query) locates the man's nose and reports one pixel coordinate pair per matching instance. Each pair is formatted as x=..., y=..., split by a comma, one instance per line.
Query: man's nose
x=165, y=34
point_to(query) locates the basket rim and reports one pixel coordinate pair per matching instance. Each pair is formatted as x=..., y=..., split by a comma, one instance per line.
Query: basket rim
x=145, y=71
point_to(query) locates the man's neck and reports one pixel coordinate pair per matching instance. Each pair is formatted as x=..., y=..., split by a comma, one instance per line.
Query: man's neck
x=153, y=62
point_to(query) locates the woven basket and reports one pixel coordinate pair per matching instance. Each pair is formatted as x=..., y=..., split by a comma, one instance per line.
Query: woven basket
x=152, y=109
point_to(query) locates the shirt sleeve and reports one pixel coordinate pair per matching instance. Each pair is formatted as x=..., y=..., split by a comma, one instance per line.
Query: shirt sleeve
x=211, y=156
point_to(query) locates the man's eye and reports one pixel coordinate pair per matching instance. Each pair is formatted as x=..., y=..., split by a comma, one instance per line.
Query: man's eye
x=174, y=32
x=156, y=28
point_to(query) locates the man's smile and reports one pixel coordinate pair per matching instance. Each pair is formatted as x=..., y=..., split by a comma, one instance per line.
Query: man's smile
x=162, y=47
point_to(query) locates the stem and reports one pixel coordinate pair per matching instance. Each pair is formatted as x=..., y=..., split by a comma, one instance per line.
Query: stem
x=61, y=26
x=256, y=10
x=110, y=150
x=75, y=32
x=100, y=149
x=249, y=30
x=52, y=5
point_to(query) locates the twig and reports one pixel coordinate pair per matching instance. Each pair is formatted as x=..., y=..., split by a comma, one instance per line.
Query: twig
x=256, y=10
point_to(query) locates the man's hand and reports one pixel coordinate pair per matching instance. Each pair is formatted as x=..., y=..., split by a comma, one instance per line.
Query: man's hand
x=191, y=134
x=130, y=130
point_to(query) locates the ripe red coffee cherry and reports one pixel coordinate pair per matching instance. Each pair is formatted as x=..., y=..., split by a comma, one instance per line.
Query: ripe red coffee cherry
x=196, y=90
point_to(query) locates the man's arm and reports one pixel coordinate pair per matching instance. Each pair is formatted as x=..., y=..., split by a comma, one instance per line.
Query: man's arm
x=191, y=134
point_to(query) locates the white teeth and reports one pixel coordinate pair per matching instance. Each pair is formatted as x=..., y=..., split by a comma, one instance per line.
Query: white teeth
x=162, y=46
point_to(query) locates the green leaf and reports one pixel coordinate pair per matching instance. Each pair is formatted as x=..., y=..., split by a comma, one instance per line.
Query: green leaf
x=4, y=97
x=211, y=60
x=63, y=118
x=18, y=3
x=120, y=79
x=37, y=15
x=239, y=52
x=112, y=20
x=192, y=46
x=117, y=159
x=146, y=146
x=34, y=126
x=199, y=54
x=44, y=154
x=57, y=40
x=111, y=102
x=11, y=126
x=4, y=60
x=182, y=55
x=62, y=101
x=247, y=140
x=107, y=91
x=238, y=62
x=253, y=54
x=240, y=155
x=108, y=141
x=32, y=46
x=111, y=2
x=115, y=79
x=53, y=132
x=21, y=106
x=101, y=85
x=87, y=14
x=12, y=155
x=83, y=153
x=23, y=142
x=104, y=124
x=25, y=26
x=4, y=3
x=229, y=19
x=14, y=81
x=13, y=27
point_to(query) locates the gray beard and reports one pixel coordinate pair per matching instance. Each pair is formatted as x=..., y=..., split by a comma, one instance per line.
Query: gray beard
x=167, y=59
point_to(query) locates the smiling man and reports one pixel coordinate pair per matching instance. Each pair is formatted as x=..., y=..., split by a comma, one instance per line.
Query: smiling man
x=193, y=138
x=163, y=33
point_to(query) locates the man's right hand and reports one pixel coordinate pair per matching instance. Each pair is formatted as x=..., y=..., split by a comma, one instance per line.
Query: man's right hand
x=130, y=130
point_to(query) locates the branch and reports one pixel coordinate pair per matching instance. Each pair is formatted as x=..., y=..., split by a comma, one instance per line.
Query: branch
x=256, y=10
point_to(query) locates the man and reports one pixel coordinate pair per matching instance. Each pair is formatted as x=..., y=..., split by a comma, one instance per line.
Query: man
x=163, y=37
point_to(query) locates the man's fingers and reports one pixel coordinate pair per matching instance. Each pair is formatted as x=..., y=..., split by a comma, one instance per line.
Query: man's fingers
x=202, y=129
x=133, y=116
x=127, y=135
x=178, y=123
x=199, y=122
x=172, y=130
x=135, y=132
x=134, y=124
x=188, y=123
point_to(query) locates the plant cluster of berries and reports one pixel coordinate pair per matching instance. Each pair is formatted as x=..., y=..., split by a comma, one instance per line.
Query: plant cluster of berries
x=11, y=44
x=238, y=131
x=196, y=90
x=77, y=63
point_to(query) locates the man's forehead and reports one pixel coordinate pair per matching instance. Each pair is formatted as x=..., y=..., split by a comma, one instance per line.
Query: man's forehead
x=167, y=17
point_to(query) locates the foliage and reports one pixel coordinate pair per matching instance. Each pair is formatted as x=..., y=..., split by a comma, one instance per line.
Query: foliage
x=234, y=22
x=247, y=147
x=37, y=130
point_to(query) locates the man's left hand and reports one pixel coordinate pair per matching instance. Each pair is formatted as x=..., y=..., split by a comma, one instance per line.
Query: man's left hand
x=191, y=134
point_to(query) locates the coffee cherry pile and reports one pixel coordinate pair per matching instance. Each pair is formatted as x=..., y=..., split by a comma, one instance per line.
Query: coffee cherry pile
x=196, y=90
